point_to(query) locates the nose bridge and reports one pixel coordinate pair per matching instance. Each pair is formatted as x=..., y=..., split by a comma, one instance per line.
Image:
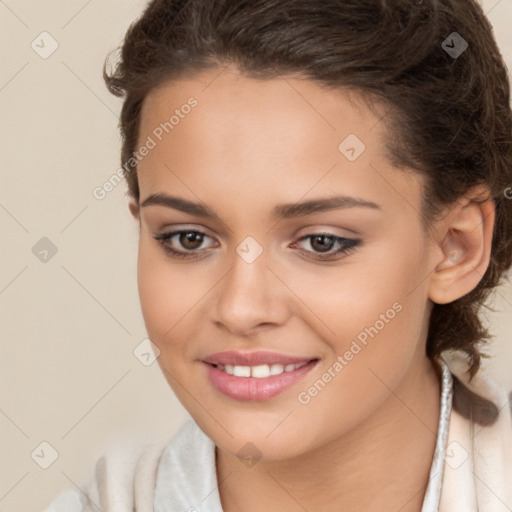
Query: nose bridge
x=248, y=296
x=246, y=283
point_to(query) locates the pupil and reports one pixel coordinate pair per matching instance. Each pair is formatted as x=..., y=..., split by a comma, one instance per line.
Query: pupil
x=191, y=240
x=323, y=246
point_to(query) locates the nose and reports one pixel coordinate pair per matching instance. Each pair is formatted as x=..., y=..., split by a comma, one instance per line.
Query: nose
x=250, y=298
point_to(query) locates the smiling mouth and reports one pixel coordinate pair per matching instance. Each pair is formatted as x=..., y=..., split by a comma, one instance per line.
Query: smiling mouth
x=260, y=371
x=259, y=381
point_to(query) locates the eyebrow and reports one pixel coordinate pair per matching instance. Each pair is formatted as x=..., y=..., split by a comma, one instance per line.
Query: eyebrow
x=283, y=211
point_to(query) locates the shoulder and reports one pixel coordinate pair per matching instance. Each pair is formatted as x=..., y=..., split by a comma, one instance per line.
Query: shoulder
x=478, y=458
x=187, y=478
x=485, y=387
x=122, y=479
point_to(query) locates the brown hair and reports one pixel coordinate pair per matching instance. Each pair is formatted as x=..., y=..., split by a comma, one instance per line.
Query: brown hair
x=450, y=114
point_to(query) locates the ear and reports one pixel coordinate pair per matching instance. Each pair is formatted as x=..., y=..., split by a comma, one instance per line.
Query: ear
x=462, y=246
x=133, y=205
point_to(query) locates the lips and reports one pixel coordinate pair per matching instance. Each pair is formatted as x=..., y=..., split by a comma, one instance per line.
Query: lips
x=233, y=373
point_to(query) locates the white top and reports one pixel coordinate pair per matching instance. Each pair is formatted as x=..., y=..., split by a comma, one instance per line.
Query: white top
x=471, y=469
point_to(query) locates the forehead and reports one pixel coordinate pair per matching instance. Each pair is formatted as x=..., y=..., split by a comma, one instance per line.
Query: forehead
x=289, y=105
x=254, y=136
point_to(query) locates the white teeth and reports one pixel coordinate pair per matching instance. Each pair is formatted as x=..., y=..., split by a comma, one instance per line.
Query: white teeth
x=261, y=371
x=242, y=371
x=276, y=369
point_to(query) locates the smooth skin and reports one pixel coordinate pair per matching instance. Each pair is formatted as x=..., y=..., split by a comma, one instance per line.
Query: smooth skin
x=365, y=442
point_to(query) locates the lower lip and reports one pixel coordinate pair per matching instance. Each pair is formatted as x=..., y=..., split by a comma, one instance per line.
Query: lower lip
x=253, y=388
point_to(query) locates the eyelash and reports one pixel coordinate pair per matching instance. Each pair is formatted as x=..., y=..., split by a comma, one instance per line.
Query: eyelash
x=347, y=245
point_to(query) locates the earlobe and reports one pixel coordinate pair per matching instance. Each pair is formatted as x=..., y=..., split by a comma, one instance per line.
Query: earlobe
x=465, y=248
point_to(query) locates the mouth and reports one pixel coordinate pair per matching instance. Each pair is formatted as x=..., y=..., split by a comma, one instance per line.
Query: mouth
x=260, y=371
x=255, y=376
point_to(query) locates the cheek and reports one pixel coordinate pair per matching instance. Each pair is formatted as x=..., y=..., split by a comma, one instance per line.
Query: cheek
x=378, y=289
x=375, y=314
x=166, y=293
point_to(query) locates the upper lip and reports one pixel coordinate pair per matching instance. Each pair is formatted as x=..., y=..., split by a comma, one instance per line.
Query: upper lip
x=235, y=358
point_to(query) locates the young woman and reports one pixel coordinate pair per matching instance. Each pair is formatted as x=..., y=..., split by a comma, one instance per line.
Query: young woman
x=323, y=191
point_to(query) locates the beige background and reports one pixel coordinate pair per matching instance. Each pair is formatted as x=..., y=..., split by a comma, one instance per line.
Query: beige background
x=69, y=376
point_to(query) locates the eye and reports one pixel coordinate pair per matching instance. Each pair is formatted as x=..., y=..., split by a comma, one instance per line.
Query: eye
x=327, y=245
x=190, y=244
x=188, y=240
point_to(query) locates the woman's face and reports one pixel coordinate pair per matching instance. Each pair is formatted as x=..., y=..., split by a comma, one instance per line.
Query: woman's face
x=288, y=316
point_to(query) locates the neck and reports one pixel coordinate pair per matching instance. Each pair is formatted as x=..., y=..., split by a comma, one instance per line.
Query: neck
x=381, y=465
